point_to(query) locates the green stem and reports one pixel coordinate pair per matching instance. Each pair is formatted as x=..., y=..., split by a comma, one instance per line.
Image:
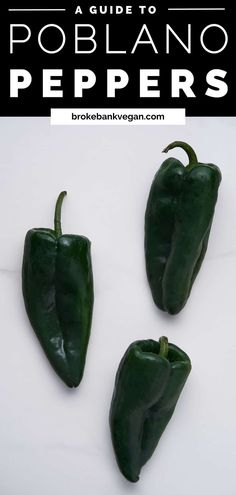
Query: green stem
x=163, y=352
x=57, y=215
x=190, y=152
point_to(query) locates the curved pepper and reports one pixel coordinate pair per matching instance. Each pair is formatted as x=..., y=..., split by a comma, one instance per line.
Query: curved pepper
x=57, y=284
x=178, y=220
x=148, y=383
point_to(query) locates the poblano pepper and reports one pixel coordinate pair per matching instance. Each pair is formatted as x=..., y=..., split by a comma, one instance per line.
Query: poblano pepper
x=148, y=383
x=57, y=284
x=178, y=221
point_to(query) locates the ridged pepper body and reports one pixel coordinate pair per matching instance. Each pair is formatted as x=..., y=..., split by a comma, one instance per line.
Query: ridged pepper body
x=57, y=284
x=147, y=387
x=178, y=221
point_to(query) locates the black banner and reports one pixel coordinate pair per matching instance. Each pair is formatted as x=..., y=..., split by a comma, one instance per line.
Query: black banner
x=144, y=54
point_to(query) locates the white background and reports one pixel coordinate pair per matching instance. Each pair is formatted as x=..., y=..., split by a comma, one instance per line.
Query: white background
x=56, y=441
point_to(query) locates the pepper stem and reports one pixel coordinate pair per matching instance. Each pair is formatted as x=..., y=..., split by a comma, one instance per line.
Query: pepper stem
x=163, y=352
x=180, y=144
x=57, y=215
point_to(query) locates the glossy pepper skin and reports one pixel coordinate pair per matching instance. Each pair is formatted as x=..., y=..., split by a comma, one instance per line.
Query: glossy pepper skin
x=57, y=284
x=178, y=220
x=148, y=383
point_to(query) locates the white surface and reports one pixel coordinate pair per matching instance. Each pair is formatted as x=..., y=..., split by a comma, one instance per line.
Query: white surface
x=56, y=441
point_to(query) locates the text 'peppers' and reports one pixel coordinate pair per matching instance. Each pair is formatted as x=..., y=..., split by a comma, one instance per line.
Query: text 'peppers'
x=57, y=284
x=178, y=221
x=148, y=383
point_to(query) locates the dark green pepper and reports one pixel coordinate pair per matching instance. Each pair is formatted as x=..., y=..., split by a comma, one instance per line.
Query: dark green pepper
x=57, y=284
x=178, y=221
x=148, y=383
